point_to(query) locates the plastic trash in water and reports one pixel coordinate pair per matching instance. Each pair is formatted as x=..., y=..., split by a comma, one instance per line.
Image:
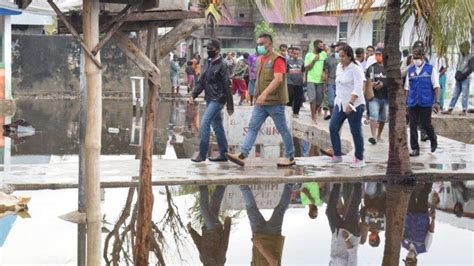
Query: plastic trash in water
x=113, y=130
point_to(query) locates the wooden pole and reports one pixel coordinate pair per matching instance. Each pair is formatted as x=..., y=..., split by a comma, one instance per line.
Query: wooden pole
x=93, y=133
x=145, y=197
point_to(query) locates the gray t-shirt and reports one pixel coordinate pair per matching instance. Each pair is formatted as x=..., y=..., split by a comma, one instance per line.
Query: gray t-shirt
x=330, y=64
x=466, y=64
x=295, y=70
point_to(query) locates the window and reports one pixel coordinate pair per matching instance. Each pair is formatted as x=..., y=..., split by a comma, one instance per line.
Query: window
x=343, y=26
x=305, y=35
x=378, y=32
x=241, y=15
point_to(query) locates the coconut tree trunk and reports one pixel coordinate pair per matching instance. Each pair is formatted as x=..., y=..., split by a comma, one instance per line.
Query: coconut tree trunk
x=398, y=167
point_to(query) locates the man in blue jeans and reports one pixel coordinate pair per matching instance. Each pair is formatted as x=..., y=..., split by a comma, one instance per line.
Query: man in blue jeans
x=216, y=84
x=213, y=243
x=266, y=235
x=463, y=79
x=272, y=97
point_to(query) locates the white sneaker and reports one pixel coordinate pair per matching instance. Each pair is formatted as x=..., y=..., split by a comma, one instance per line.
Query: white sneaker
x=335, y=159
x=357, y=163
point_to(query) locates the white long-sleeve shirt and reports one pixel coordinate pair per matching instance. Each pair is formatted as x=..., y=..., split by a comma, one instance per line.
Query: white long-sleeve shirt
x=349, y=81
x=340, y=254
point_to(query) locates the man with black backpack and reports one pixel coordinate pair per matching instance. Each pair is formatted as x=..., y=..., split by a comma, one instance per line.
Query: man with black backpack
x=463, y=80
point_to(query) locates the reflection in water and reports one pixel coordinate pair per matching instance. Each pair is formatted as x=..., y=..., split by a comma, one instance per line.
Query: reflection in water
x=212, y=244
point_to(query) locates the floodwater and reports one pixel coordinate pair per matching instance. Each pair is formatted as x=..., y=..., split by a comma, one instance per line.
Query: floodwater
x=275, y=216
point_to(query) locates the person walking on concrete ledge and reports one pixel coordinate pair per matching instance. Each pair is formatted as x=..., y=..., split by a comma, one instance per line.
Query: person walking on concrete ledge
x=272, y=96
x=422, y=87
x=349, y=104
x=216, y=84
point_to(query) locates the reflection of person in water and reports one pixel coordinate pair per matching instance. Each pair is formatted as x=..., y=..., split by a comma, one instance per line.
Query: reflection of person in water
x=418, y=230
x=461, y=195
x=310, y=197
x=192, y=118
x=213, y=243
x=345, y=230
x=373, y=213
x=267, y=239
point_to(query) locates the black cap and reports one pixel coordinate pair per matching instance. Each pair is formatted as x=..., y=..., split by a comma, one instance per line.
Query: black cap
x=213, y=43
x=379, y=50
x=333, y=45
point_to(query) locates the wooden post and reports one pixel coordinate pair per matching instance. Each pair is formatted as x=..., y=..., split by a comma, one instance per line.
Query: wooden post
x=145, y=197
x=93, y=133
x=82, y=134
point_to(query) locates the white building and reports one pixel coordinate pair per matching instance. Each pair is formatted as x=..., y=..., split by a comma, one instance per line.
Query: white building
x=370, y=30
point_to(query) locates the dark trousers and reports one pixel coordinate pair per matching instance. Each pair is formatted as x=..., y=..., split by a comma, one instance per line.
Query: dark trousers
x=419, y=200
x=296, y=95
x=423, y=115
x=350, y=221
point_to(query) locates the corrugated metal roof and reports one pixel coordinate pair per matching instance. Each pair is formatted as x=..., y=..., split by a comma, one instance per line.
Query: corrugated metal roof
x=278, y=15
x=341, y=6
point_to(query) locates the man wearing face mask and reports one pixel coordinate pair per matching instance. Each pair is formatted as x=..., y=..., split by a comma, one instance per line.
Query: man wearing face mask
x=216, y=85
x=378, y=106
x=422, y=86
x=272, y=97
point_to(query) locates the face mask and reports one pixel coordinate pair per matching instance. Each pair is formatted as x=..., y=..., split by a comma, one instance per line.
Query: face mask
x=418, y=62
x=211, y=54
x=261, y=50
x=319, y=50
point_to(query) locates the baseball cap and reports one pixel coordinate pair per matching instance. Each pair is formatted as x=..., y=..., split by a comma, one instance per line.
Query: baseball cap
x=379, y=50
x=213, y=43
x=333, y=45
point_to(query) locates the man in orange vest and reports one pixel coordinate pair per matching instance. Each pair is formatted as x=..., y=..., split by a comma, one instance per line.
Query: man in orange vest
x=272, y=97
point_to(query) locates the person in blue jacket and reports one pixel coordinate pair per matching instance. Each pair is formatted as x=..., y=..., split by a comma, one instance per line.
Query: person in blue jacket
x=419, y=224
x=422, y=86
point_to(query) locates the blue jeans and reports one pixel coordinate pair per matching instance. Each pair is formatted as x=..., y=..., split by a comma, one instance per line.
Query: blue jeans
x=259, y=115
x=331, y=95
x=461, y=87
x=305, y=147
x=257, y=222
x=378, y=110
x=355, y=122
x=210, y=210
x=212, y=116
x=442, y=94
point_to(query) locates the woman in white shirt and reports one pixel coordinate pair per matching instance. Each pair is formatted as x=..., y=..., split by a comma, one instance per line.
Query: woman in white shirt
x=349, y=104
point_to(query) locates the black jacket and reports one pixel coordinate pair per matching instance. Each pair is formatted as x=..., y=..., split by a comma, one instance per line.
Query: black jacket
x=216, y=84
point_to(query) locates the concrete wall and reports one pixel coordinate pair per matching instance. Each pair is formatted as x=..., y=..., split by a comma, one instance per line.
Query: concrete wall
x=49, y=65
x=302, y=35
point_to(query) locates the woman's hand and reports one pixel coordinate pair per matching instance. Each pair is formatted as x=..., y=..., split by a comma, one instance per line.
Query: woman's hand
x=348, y=109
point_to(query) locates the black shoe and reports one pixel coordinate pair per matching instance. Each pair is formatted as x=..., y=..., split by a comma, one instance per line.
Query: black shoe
x=219, y=158
x=434, y=146
x=327, y=117
x=198, y=159
x=372, y=141
x=415, y=152
x=424, y=137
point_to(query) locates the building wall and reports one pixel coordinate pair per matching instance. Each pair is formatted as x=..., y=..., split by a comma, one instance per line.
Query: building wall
x=303, y=35
x=49, y=65
x=362, y=35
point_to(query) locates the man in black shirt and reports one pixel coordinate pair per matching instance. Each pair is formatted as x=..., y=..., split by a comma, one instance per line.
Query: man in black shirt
x=295, y=68
x=378, y=106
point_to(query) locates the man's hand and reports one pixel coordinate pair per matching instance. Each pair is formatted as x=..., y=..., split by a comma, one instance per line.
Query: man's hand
x=190, y=100
x=316, y=58
x=261, y=99
x=230, y=112
x=325, y=90
x=436, y=107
